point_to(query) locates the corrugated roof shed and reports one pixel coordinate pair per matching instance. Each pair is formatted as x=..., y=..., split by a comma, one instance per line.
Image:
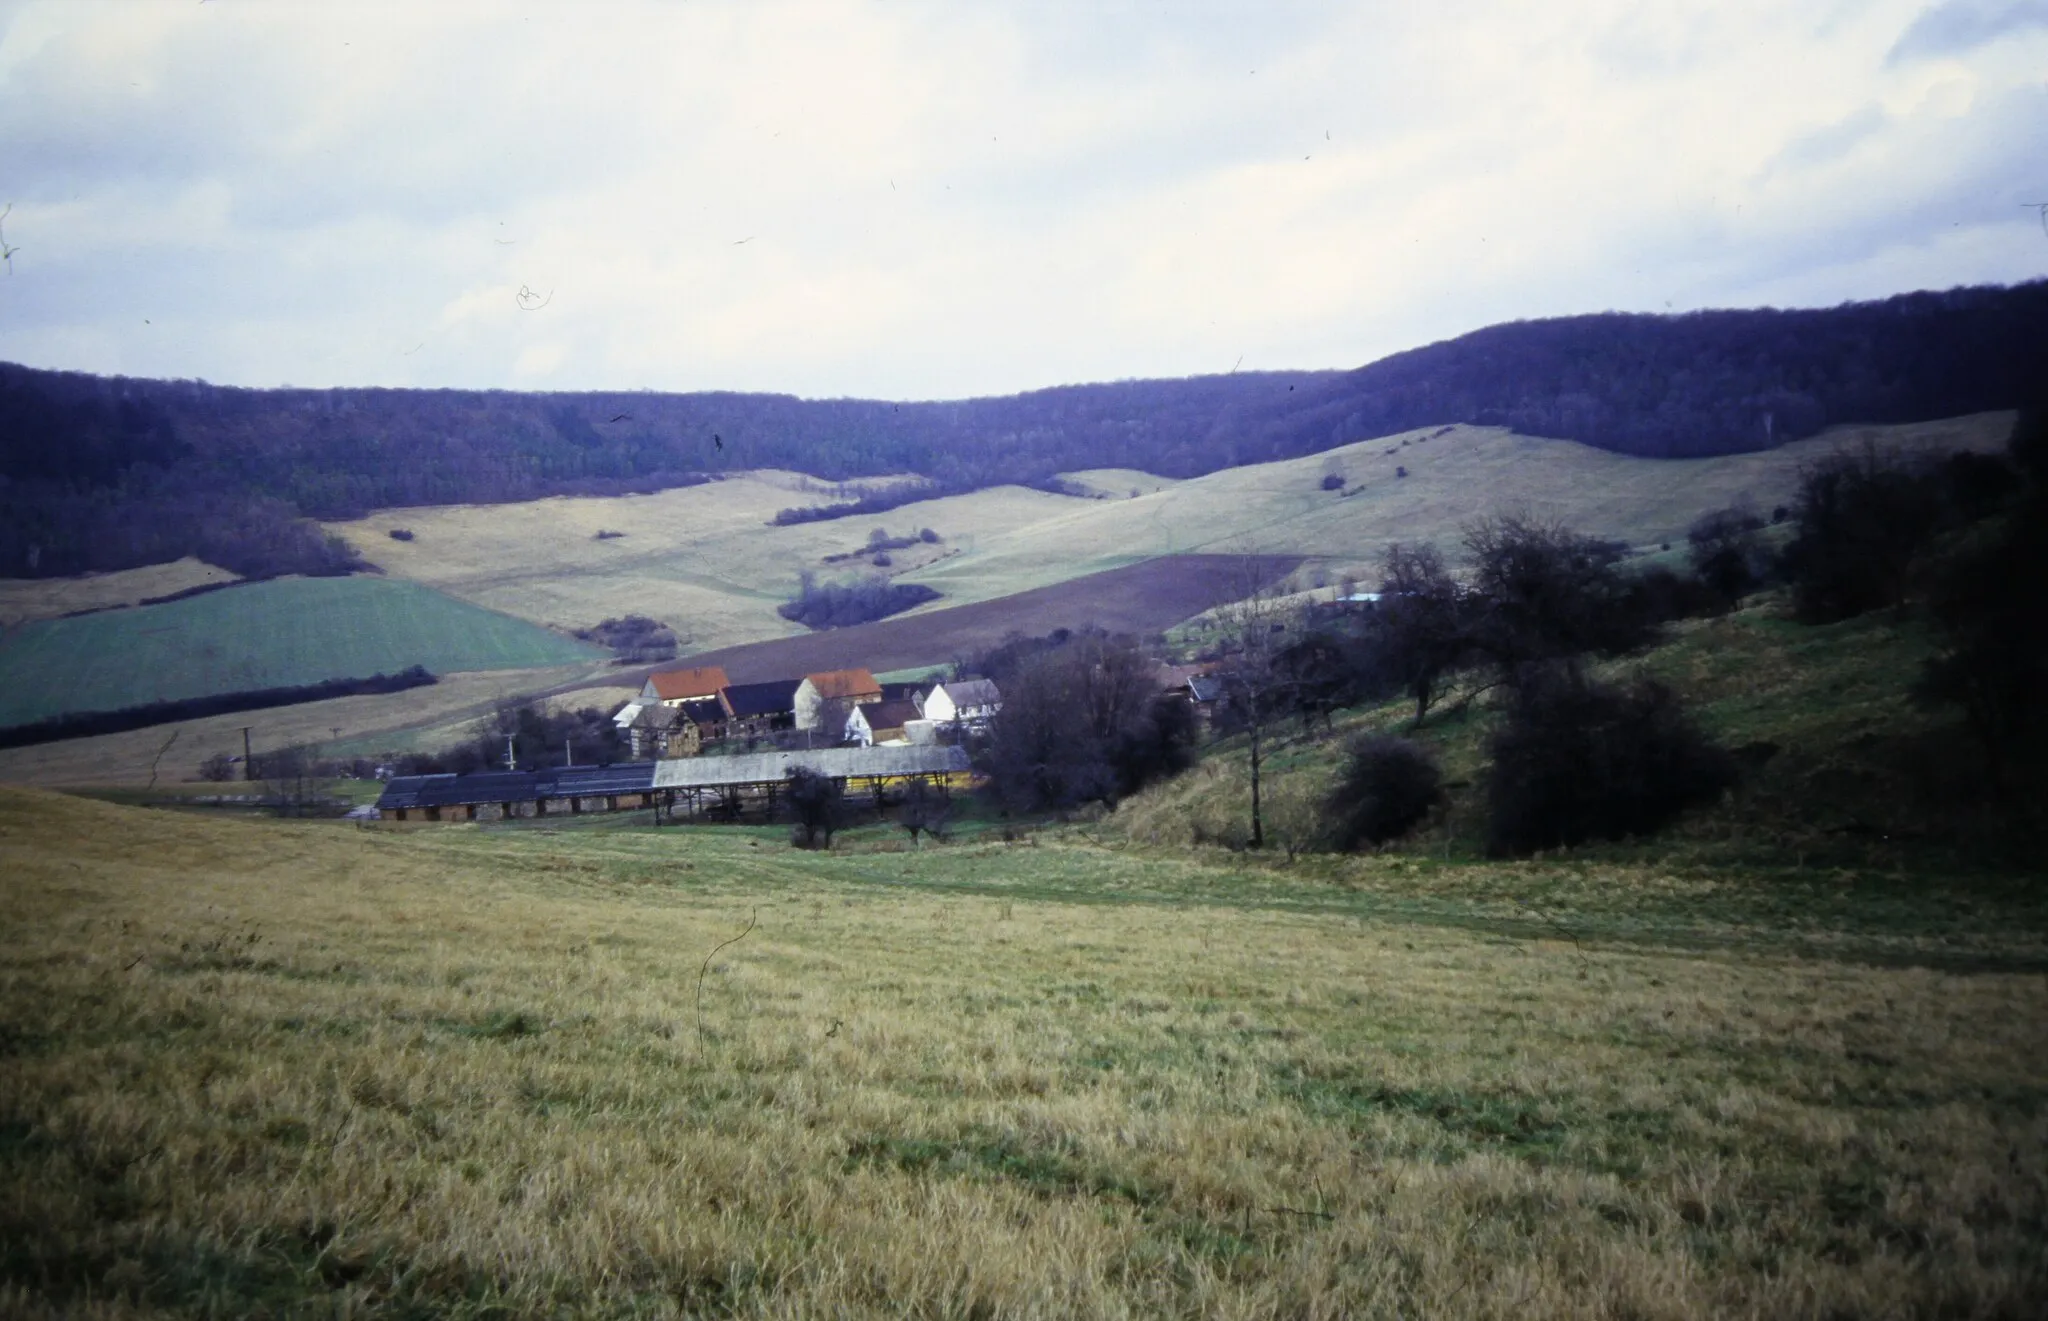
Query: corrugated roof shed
x=838, y=763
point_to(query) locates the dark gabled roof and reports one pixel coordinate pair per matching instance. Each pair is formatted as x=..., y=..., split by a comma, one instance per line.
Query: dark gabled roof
x=703, y=711
x=515, y=786
x=889, y=715
x=1205, y=688
x=653, y=716
x=904, y=692
x=455, y=790
x=626, y=777
x=774, y=698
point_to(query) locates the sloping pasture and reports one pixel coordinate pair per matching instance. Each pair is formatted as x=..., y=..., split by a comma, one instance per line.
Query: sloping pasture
x=284, y=1067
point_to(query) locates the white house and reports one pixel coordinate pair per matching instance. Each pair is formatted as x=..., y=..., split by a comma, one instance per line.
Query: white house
x=881, y=722
x=963, y=702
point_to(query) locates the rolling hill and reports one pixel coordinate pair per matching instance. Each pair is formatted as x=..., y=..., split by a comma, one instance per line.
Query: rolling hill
x=110, y=473
x=706, y=560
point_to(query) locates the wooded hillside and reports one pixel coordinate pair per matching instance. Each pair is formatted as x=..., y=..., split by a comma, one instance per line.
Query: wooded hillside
x=102, y=473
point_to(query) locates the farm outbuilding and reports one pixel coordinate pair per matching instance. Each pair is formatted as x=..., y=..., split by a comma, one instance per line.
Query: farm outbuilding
x=881, y=722
x=971, y=702
x=754, y=709
x=695, y=788
x=504, y=795
x=728, y=788
x=826, y=699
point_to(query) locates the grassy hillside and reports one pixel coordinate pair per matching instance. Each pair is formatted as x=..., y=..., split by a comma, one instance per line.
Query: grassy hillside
x=292, y=1066
x=1861, y=775
x=705, y=559
x=1454, y=474
x=260, y=635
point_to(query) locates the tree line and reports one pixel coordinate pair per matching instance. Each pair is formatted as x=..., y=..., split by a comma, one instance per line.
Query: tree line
x=99, y=472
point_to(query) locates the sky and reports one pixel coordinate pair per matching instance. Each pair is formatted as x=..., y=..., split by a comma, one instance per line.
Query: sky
x=921, y=201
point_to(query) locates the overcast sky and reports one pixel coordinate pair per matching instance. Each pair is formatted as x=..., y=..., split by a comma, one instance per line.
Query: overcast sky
x=931, y=201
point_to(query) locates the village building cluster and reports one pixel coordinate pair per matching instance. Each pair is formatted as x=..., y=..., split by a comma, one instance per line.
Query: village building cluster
x=873, y=740
x=685, y=712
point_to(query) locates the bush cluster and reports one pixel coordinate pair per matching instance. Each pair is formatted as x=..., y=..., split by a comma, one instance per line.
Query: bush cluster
x=1575, y=760
x=1387, y=788
x=842, y=604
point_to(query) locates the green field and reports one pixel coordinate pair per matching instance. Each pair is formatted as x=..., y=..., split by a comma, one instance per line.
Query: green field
x=264, y=635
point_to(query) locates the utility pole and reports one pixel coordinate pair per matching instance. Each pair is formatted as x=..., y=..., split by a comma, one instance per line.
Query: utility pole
x=248, y=768
x=511, y=762
x=569, y=749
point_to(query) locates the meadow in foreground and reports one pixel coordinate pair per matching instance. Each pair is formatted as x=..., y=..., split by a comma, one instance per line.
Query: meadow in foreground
x=300, y=1069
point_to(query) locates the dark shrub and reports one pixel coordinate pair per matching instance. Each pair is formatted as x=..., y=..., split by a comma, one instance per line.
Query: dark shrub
x=1333, y=481
x=1387, y=787
x=401, y=534
x=1576, y=760
x=1549, y=593
x=1725, y=552
x=921, y=809
x=926, y=535
x=1082, y=722
x=1991, y=611
x=634, y=638
x=839, y=605
x=1862, y=516
x=814, y=802
x=1663, y=595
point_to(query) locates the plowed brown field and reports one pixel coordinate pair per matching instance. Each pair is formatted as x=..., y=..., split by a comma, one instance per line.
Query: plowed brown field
x=1144, y=598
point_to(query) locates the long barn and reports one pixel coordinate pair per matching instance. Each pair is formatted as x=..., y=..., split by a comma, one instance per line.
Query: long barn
x=690, y=788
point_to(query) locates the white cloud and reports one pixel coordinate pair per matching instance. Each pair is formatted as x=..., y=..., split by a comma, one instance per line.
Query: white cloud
x=925, y=201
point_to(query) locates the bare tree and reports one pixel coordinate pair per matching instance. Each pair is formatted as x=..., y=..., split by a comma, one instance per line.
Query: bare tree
x=1254, y=626
x=1424, y=623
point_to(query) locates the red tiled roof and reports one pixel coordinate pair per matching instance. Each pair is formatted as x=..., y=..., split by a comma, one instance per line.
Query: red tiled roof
x=678, y=685
x=844, y=683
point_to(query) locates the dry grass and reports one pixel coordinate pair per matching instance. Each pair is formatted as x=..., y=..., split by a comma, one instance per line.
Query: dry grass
x=23, y=599
x=1119, y=483
x=271, y=1067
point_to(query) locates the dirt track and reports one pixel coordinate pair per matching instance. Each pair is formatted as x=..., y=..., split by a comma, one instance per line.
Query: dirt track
x=1142, y=599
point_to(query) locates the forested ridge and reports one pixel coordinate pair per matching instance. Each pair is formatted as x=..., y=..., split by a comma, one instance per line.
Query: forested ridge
x=101, y=473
